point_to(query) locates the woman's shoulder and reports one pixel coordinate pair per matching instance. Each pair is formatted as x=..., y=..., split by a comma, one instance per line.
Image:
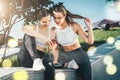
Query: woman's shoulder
x=32, y=26
x=75, y=25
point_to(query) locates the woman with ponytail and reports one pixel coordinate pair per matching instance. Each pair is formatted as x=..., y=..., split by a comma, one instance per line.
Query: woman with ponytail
x=67, y=36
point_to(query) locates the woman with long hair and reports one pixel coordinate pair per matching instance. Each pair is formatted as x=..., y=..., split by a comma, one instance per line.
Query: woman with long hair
x=33, y=50
x=67, y=36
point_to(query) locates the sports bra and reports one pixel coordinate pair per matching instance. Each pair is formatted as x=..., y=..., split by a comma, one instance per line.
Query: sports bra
x=39, y=42
x=66, y=36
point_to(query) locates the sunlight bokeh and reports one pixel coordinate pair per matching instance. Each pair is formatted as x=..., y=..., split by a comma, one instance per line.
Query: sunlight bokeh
x=108, y=60
x=110, y=40
x=117, y=44
x=91, y=51
x=12, y=43
x=21, y=75
x=118, y=6
x=1, y=7
x=112, y=12
x=7, y=63
x=60, y=76
x=0, y=60
x=111, y=69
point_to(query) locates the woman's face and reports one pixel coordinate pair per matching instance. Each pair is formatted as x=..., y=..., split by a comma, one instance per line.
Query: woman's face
x=58, y=18
x=45, y=21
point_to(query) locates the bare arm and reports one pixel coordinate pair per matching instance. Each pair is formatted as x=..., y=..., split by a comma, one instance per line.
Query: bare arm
x=90, y=31
x=31, y=30
x=87, y=37
x=54, y=50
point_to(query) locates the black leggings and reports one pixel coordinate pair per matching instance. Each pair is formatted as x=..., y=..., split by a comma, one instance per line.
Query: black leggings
x=81, y=57
x=28, y=52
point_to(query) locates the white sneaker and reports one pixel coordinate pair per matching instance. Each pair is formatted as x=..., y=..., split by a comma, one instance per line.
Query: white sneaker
x=73, y=64
x=38, y=65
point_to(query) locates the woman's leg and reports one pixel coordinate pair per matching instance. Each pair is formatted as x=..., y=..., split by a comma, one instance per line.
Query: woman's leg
x=81, y=58
x=49, y=69
x=85, y=67
x=29, y=49
x=24, y=59
x=30, y=45
x=35, y=55
x=27, y=52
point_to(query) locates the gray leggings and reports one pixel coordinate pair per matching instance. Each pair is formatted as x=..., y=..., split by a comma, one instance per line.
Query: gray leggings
x=28, y=52
x=81, y=57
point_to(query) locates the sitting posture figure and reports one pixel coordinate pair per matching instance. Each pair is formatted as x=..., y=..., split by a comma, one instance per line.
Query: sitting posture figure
x=37, y=39
x=67, y=34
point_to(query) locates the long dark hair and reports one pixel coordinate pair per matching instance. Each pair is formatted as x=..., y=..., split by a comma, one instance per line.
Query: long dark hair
x=43, y=12
x=69, y=16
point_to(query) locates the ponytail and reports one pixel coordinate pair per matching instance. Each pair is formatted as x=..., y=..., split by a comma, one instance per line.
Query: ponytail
x=69, y=16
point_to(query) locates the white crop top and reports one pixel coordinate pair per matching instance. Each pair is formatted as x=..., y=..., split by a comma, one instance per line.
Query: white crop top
x=39, y=42
x=66, y=36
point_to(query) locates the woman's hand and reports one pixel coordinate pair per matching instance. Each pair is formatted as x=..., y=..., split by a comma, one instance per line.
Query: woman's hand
x=88, y=22
x=46, y=41
x=90, y=31
x=52, y=45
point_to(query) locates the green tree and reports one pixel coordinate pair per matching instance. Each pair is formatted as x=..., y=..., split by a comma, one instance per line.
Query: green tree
x=13, y=11
x=17, y=9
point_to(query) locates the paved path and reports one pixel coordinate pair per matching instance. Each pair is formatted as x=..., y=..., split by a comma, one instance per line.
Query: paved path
x=101, y=50
x=9, y=51
x=17, y=73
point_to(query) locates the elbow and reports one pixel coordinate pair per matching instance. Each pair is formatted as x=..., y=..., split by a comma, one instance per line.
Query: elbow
x=90, y=42
x=24, y=28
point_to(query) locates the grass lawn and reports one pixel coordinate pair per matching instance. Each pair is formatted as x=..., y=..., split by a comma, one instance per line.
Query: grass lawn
x=101, y=36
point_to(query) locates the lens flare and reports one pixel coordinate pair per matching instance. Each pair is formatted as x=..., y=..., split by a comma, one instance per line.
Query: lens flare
x=110, y=40
x=7, y=63
x=60, y=76
x=21, y=75
x=12, y=43
x=111, y=12
x=1, y=7
x=108, y=60
x=0, y=60
x=118, y=6
x=91, y=51
x=117, y=44
x=111, y=69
